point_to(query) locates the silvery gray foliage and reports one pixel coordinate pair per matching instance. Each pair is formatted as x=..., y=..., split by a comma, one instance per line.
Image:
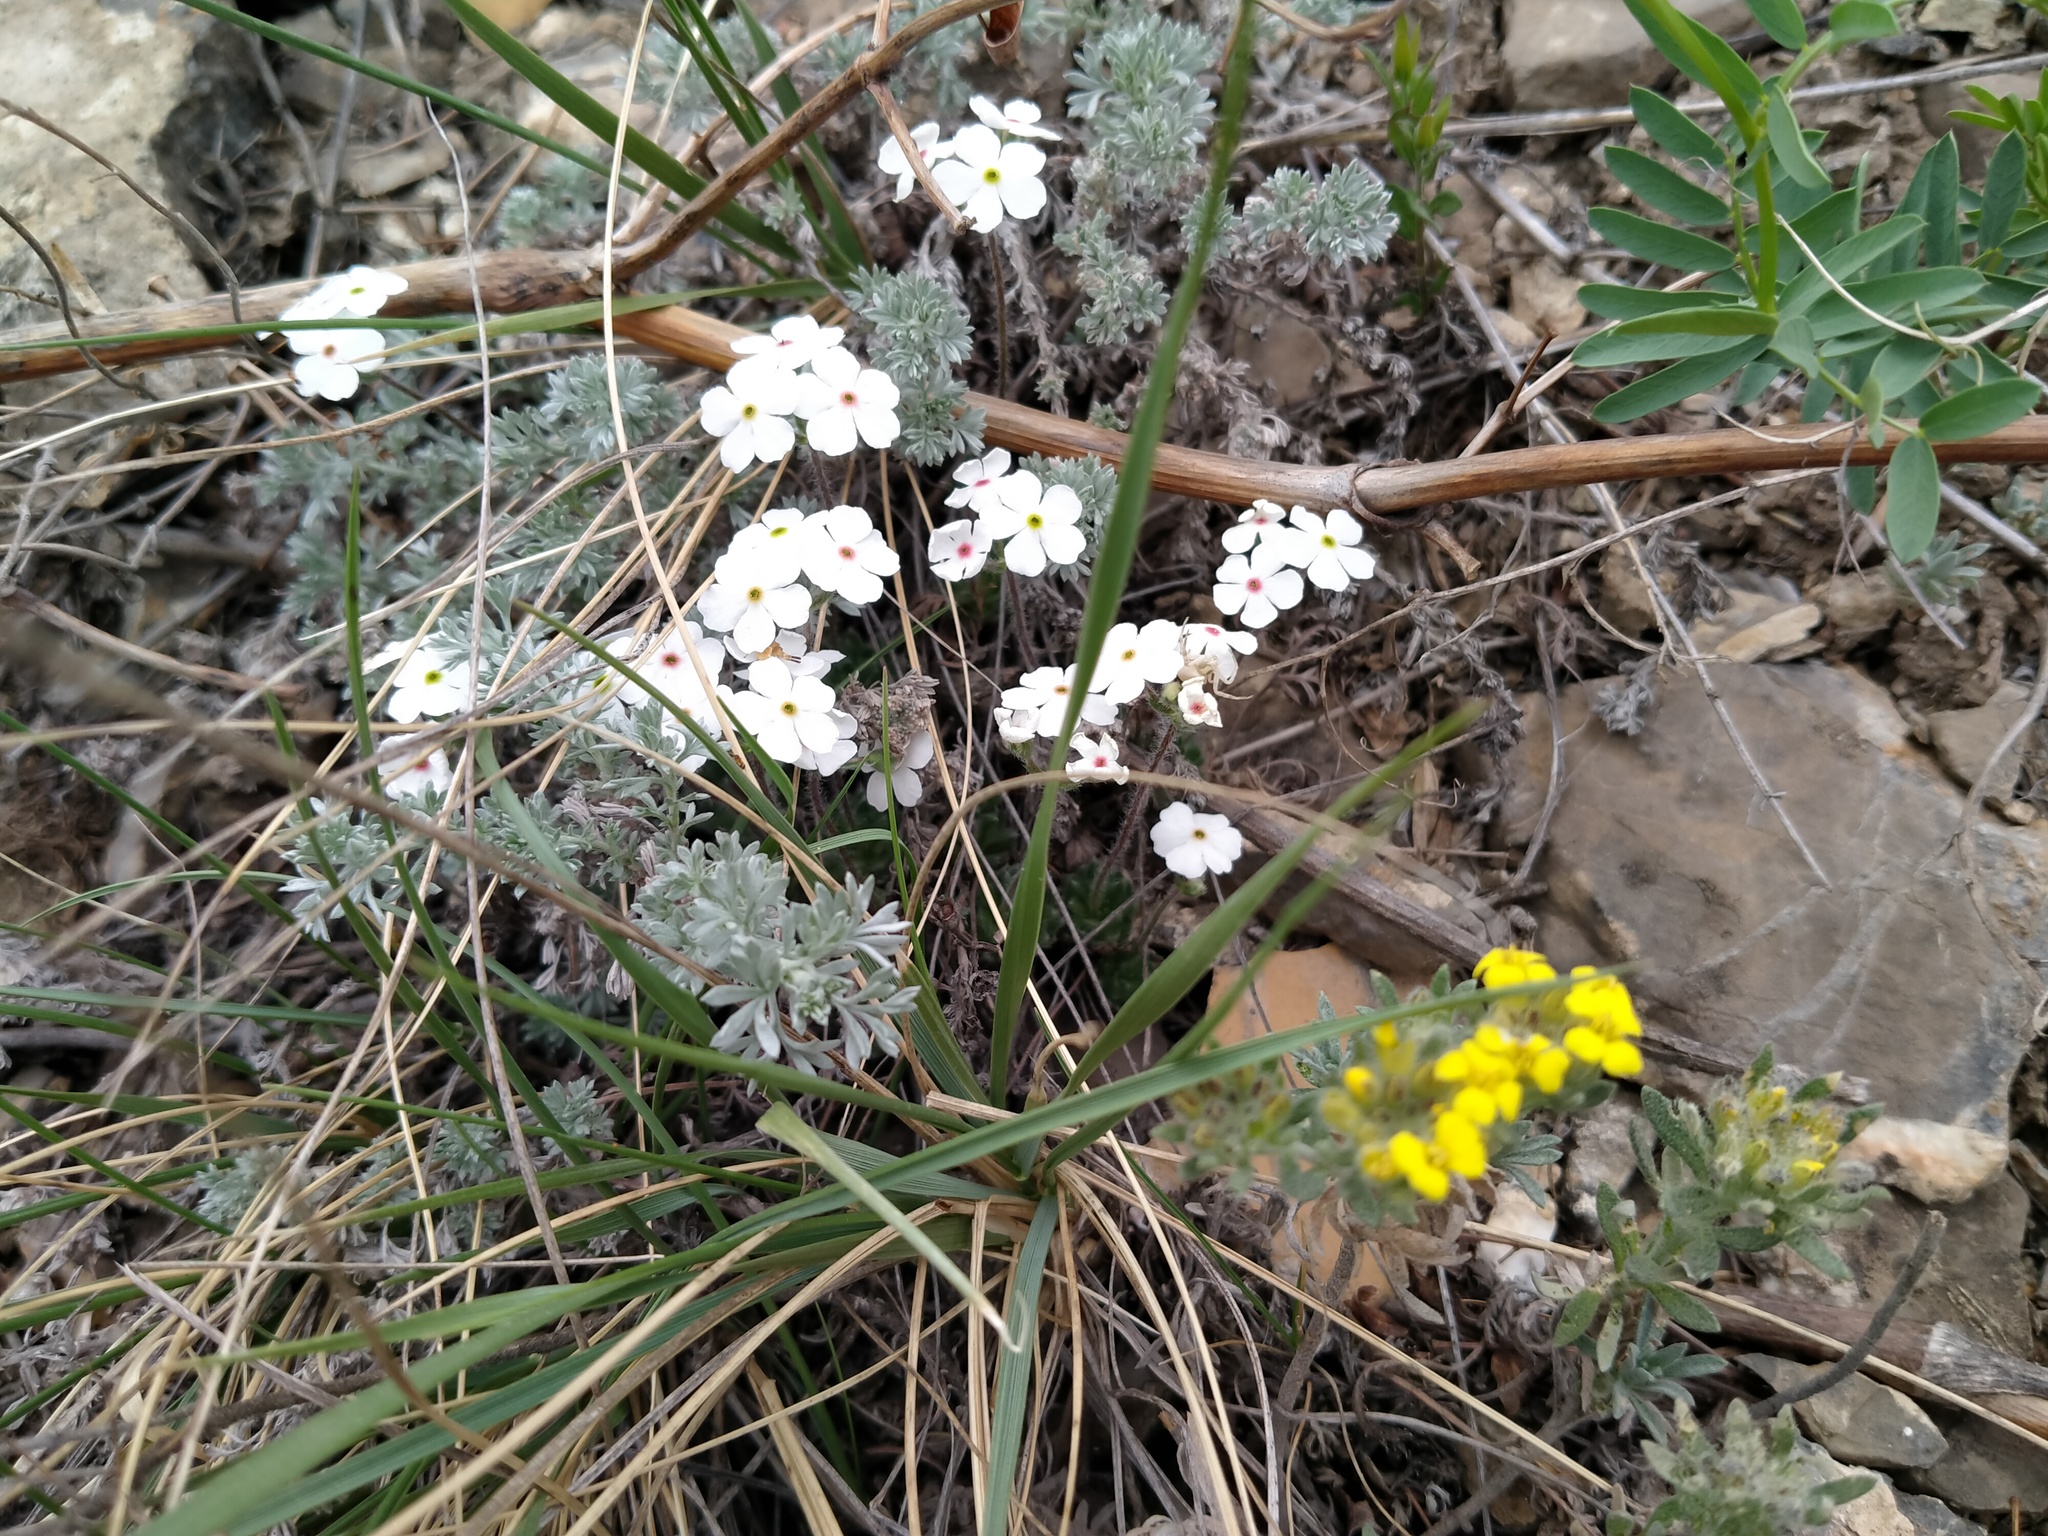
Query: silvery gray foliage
x=1347, y=216
x=795, y=992
x=225, y=1194
x=920, y=335
x=1147, y=115
x=469, y=1154
x=577, y=1111
x=355, y=850
x=1124, y=294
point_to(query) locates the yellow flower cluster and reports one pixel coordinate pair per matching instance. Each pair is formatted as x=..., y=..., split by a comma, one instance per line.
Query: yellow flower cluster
x=1449, y=1103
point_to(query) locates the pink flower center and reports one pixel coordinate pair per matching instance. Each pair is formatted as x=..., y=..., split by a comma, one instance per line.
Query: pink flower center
x=964, y=552
x=846, y=553
x=1255, y=584
x=848, y=397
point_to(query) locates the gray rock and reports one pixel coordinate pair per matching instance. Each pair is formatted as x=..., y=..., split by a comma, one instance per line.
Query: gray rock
x=1661, y=852
x=1758, y=627
x=1931, y=1517
x=1586, y=53
x=1601, y=1154
x=1985, y=1469
x=1979, y=1279
x=1964, y=739
x=1858, y=1420
x=1973, y=144
x=113, y=74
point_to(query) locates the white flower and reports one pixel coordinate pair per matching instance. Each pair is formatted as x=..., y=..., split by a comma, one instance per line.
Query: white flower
x=749, y=415
x=1198, y=705
x=1264, y=520
x=1133, y=657
x=331, y=363
x=752, y=597
x=666, y=664
x=843, y=551
x=1041, y=695
x=428, y=683
x=1257, y=587
x=410, y=777
x=958, y=550
x=988, y=178
x=791, y=646
x=902, y=781
x=1195, y=843
x=1331, y=550
x=1018, y=725
x=840, y=753
x=978, y=481
x=791, y=343
x=779, y=529
x=785, y=713
x=1095, y=758
x=360, y=291
x=893, y=162
x=844, y=405
x=1019, y=117
x=1212, y=651
x=1042, y=525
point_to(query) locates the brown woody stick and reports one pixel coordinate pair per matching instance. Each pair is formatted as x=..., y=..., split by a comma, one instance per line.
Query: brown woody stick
x=515, y=282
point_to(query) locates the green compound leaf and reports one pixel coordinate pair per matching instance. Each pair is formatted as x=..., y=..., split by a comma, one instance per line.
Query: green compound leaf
x=2005, y=187
x=1974, y=412
x=1903, y=363
x=1675, y=133
x=1788, y=144
x=1912, y=498
x=1660, y=243
x=1862, y=21
x=1617, y=301
x=1782, y=20
x=1664, y=190
x=1678, y=382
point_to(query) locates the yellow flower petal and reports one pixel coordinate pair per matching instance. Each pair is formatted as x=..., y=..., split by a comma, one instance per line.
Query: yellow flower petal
x=1621, y=1059
x=1584, y=1043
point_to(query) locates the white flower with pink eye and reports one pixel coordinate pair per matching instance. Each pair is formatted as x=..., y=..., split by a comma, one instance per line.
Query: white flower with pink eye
x=785, y=713
x=749, y=415
x=1042, y=525
x=1194, y=843
x=1211, y=651
x=414, y=774
x=751, y=598
x=1198, y=705
x=987, y=178
x=893, y=162
x=901, y=782
x=791, y=343
x=844, y=405
x=330, y=364
x=667, y=666
x=958, y=550
x=1259, y=522
x=1096, y=760
x=1133, y=658
x=1041, y=696
x=843, y=552
x=1256, y=587
x=1018, y=117
x=1331, y=550
x=979, y=480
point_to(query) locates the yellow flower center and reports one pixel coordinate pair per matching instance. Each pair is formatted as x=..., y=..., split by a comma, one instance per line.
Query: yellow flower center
x=749, y=411
x=432, y=676
x=1034, y=521
x=755, y=594
x=789, y=708
x=992, y=176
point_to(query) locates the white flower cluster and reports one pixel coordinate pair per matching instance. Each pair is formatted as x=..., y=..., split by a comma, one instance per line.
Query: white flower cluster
x=331, y=363
x=985, y=169
x=1269, y=551
x=1189, y=661
x=840, y=403
x=1037, y=524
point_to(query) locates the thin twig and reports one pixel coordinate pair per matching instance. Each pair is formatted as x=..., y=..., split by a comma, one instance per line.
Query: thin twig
x=49, y=262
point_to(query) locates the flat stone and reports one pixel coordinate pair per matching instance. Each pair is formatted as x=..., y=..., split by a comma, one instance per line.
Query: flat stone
x=112, y=74
x=1858, y=1420
x=1586, y=53
x=1860, y=605
x=1281, y=350
x=1661, y=852
x=1964, y=739
x=1755, y=627
x=1929, y=1160
x=1989, y=24
x=1985, y=1470
x=1545, y=298
x=1931, y=1517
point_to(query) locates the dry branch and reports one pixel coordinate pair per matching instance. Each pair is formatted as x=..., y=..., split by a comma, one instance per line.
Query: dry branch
x=517, y=282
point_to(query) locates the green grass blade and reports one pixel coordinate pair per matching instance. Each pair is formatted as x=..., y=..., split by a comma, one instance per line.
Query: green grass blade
x=1013, y=1366
x=785, y=1126
x=1119, y=547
